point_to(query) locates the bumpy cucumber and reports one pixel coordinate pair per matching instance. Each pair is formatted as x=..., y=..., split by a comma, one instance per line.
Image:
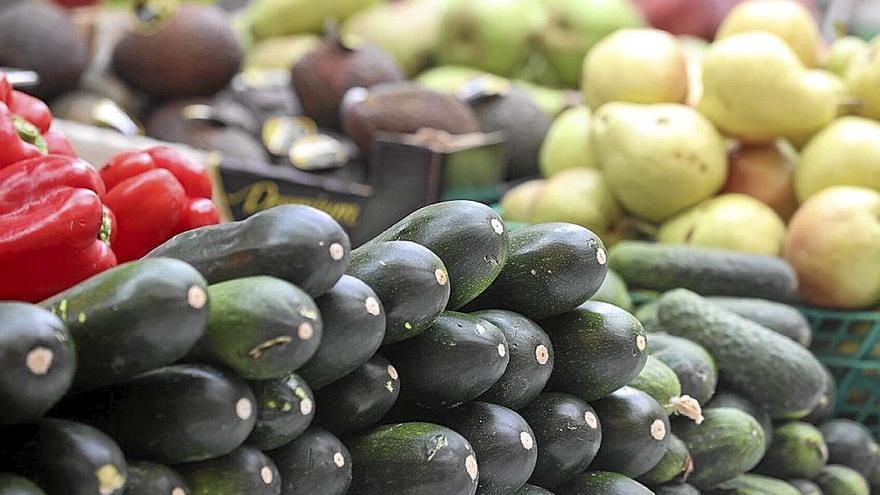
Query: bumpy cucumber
x=11, y=484
x=606, y=483
x=836, y=479
x=360, y=399
x=316, y=462
x=850, y=444
x=676, y=464
x=827, y=403
x=677, y=489
x=726, y=398
x=753, y=484
x=798, y=451
x=660, y=382
x=781, y=318
x=285, y=408
x=532, y=490
x=806, y=487
x=693, y=365
x=244, y=470
x=150, y=478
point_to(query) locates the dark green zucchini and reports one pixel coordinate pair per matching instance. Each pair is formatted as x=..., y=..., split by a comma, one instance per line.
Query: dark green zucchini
x=753, y=484
x=502, y=441
x=660, y=382
x=132, y=318
x=851, y=444
x=296, y=243
x=245, y=470
x=806, y=487
x=469, y=237
x=677, y=489
x=599, y=348
x=568, y=435
x=827, y=403
x=316, y=462
x=38, y=360
x=552, y=268
x=360, y=399
x=149, y=478
x=455, y=360
x=613, y=291
x=726, y=398
x=779, y=317
x=531, y=359
x=354, y=327
x=412, y=459
x=285, y=408
x=635, y=432
x=260, y=327
x=604, y=483
x=532, y=490
x=798, y=451
x=693, y=365
x=836, y=479
x=11, y=484
x=726, y=444
x=676, y=465
x=409, y=279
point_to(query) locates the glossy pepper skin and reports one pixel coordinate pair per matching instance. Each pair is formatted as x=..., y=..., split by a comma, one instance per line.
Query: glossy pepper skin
x=156, y=194
x=54, y=229
x=19, y=139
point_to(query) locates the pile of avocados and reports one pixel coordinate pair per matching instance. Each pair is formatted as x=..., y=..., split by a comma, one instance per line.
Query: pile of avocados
x=446, y=356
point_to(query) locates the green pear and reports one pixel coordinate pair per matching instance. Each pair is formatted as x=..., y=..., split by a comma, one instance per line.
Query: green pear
x=755, y=88
x=518, y=202
x=574, y=26
x=580, y=196
x=553, y=100
x=280, y=52
x=833, y=244
x=267, y=18
x=842, y=52
x=730, y=221
x=447, y=78
x=567, y=143
x=637, y=65
x=788, y=19
x=408, y=30
x=863, y=79
x=658, y=159
x=847, y=152
x=492, y=35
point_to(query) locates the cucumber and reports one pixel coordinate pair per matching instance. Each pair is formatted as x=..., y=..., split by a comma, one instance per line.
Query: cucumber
x=38, y=360
x=295, y=243
x=692, y=364
x=360, y=399
x=706, y=271
x=132, y=318
x=725, y=398
x=874, y=479
x=613, y=291
x=260, y=327
x=806, y=487
x=676, y=464
x=726, y=444
x=798, y=451
x=409, y=279
x=781, y=318
x=285, y=408
x=635, y=432
x=316, y=462
x=603, y=482
x=353, y=323
x=599, y=348
x=502, y=441
x=149, y=478
x=850, y=444
x=660, y=382
x=647, y=314
x=753, y=484
x=568, y=435
x=469, y=237
x=65, y=457
x=677, y=489
x=771, y=370
x=245, y=470
x=836, y=479
x=827, y=403
x=11, y=484
x=412, y=459
x=531, y=359
x=455, y=360
x=552, y=268
x=532, y=490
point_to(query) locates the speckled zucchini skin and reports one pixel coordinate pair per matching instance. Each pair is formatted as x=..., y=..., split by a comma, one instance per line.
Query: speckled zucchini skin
x=150, y=478
x=753, y=484
x=606, y=483
x=360, y=399
x=244, y=470
x=316, y=462
x=532, y=490
x=285, y=408
x=798, y=451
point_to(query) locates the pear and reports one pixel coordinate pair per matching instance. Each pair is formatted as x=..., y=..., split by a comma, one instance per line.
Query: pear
x=841, y=53
x=765, y=172
x=658, y=159
x=447, y=78
x=847, y=152
x=833, y=244
x=694, y=51
x=492, y=35
x=580, y=196
x=267, y=18
x=730, y=221
x=755, y=88
x=519, y=201
x=863, y=79
x=553, y=100
x=567, y=144
x=574, y=26
x=636, y=65
x=788, y=19
x=280, y=52
x=407, y=29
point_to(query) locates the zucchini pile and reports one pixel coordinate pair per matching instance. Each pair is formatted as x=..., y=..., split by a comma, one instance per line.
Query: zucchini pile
x=447, y=356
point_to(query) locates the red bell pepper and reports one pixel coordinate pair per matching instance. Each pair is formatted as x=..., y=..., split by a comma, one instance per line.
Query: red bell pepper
x=58, y=144
x=156, y=194
x=19, y=139
x=31, y=109
x=54, y=230
x=5, y=88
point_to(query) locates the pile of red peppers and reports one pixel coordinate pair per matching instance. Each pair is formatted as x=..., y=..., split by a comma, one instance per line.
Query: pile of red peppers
x=62, y=221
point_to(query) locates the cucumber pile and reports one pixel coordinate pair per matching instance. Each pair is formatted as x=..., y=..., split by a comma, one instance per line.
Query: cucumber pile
x=447, y=356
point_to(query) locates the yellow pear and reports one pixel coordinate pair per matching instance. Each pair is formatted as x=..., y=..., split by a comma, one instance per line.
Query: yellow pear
x=635, y=65
x=787, y=19
x=580, y=196
x=280, y=52
x=863, y=79
x=567, y=143
x=847, y=152
x=658, y=159
x=755, y=88
x=765, y=172
x=842, y=52
x=518, y=202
